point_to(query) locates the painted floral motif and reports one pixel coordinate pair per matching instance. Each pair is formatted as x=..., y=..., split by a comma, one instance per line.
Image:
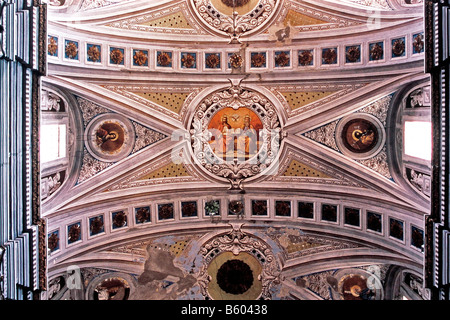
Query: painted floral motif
x=52, y=47
x=212, y=207
x=236, y=207
x=418, y=44
x=188, y=60
x=93, y=53
x=212, y=60
x=283, y=208
x=258, y=60
x=417, y=237
x=96, y=225
x=282, y=59
x=119, y=219
x=236, y=61
x=142, y=214
x=374, y=221
x=398, y=47
x=116, y=56
x=329, y=56
x=396, y=228
x=164, y=59
x=376, y=51
x=189, y=209
x=305, y=58
x=74, y=233
x=71, y=50
x=353, y=54
x=140, y=58
x=259, y=207
x=165, y=211
x=53, y=241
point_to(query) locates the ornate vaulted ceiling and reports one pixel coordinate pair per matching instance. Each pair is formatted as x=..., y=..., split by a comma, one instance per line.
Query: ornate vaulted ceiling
x=317, y=195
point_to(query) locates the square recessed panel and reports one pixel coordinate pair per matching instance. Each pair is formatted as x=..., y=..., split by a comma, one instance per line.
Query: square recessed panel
x=374, y=221
x=352, y=216
x=417, y=237
x=418, y=44
x=329, y=56
x=164, y=59
x=71, y=50
x=258, y=60
x=305, y=58
x=306, y=210
x=259, y=208
x=74, y=232
x=282, y=208
x=212, y=208
x=142, y=215
x=188, y=60
x=140, y=58
x=353, y=54
x=189, y=208
x=236, y=207
x=53, y=241
x=282, y=59
x=119, y=219
x=396, y=229
x=94, y=52
x=212, y=60
x=52, y=46
x=329, y=212
x=96, y=225
x=117, y=56
x=398, y=47
x=165, y=211
x=376, y=51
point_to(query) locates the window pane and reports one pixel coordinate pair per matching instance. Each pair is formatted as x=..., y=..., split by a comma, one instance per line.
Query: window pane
x=53, y=142
x=418, y=139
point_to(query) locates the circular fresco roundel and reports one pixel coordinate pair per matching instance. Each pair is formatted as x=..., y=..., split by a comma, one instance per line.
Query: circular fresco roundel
x=360, y=136
x=235, y=133
x=357, y=284
x=109, y=137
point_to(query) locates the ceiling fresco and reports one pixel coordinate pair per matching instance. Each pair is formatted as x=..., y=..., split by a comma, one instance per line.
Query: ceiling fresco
x=235, y=150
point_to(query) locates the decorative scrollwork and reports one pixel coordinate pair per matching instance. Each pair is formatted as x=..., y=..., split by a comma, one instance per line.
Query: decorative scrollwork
x=237, y=241
x=235, y=25
x=242, y=149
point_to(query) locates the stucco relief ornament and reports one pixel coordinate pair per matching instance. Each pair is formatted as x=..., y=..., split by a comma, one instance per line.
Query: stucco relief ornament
x=116, y=56
x=235, y=134
x=232, y=21
x=52, y=46
x=71, y=50
x=140, y=58
x=236, y=61
x=213, y=61
x=237, y=241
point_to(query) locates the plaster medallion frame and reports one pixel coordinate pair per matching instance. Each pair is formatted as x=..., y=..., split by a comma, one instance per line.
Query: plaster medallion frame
x=381, y=139
x=236, y=242
x=235, y=25
x=128, y=138
x=235, y=170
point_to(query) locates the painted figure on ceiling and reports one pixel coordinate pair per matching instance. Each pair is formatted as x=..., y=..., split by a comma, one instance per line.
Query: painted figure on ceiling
x=223, y=139
x=246, y=142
